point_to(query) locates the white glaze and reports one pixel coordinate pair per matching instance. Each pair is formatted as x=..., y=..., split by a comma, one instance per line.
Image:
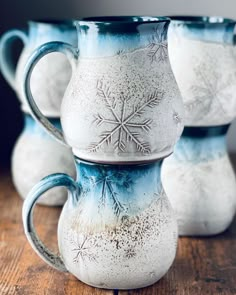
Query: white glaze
x=206, y=76
x=134, y=253
x=202, y=194
x=125, y=108
x=34, y=157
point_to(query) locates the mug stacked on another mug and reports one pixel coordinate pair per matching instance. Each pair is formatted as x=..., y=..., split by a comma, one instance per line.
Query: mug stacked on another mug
x=198, y=177
x=36, y=154
x=121, y=114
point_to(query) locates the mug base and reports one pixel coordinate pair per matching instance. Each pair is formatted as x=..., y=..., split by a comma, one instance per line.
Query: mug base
x=124, y=161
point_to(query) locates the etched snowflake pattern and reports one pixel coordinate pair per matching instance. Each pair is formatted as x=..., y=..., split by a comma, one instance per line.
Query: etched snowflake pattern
x=125, y=130
x=130, y=253
x=108, y=192
x=83, y=251
x=210, y=89
x=176, y=117
x=158, y=50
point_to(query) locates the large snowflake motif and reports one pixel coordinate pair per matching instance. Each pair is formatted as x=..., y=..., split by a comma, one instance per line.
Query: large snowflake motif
x=125, y=128
x=83, y=251
x=158, y=50
x=211, y=89
x=107, y=191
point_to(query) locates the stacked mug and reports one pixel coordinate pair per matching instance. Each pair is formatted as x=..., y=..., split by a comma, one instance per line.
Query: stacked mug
x=198, y=176
x=36, y=154
x=121, y=114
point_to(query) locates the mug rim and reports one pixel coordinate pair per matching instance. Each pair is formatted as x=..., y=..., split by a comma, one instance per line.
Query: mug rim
x=53, y=22
x=123, y=19
x=200, y=19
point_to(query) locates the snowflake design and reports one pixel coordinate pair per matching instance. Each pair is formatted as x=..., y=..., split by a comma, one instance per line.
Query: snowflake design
x=124, y=127
x=210, y=90
x=176, y=117
x=158, y=50
x=82, y=251
x=130, y=253
x=108, y=191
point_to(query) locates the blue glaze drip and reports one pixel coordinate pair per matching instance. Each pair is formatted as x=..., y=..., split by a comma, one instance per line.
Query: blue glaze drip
x=126, y=182
x=107, y=36
x=199, y=144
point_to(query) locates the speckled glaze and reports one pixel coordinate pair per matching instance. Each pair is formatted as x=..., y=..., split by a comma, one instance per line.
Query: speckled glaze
x=200, y=182
x=202, y=56
x=36, y=155
x=122, y=104
x=116, y=230
x=52, y=74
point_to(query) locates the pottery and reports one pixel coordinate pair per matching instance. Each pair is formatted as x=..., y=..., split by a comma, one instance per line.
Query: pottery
x=52, y=74
x=35, y=155
x=200, y=182
x=117, y=229
x=202, y=56
x=122, y=104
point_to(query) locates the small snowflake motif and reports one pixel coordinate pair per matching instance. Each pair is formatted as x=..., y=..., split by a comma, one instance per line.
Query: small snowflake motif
x=130, y=253
x=82, y=251
x=176, y=117
x=124, y=129
x=158, y=46
x=210, y=89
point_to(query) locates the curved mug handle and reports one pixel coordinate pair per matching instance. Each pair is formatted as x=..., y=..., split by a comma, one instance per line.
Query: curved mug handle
x=7, y=66
x=72, y=54
x=53, y=180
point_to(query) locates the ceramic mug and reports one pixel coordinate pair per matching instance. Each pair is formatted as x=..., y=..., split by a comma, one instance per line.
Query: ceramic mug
x=200, y=182
x=52, y=74
x=35, y=155
x=122, y=104
x=203, y=59
x=117, y=229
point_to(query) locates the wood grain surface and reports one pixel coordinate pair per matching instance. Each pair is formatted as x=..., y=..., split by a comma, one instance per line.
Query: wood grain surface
x=202, y=266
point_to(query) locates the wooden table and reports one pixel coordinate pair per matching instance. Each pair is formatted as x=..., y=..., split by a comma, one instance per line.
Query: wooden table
x=202, y=266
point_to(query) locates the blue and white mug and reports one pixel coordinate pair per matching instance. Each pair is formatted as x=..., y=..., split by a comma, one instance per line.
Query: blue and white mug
x=122, y=104
x=117, y=229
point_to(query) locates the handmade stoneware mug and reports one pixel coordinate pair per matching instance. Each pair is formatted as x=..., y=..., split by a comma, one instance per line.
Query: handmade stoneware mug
x=35, y=155
x=200, y=182
x=52, y=74
x=122, y=104
x=117, y=229
x=203, y=61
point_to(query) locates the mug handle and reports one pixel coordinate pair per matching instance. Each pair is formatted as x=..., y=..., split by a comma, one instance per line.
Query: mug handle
x=72, y=54
x=53, y=180
x=7, y=66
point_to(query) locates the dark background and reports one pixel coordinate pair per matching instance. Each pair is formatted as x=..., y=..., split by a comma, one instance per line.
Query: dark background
x=15, y=13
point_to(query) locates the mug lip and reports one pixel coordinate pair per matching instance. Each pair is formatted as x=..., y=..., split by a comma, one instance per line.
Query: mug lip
x=52, y=22
x=123, y=19
x=200, y=19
